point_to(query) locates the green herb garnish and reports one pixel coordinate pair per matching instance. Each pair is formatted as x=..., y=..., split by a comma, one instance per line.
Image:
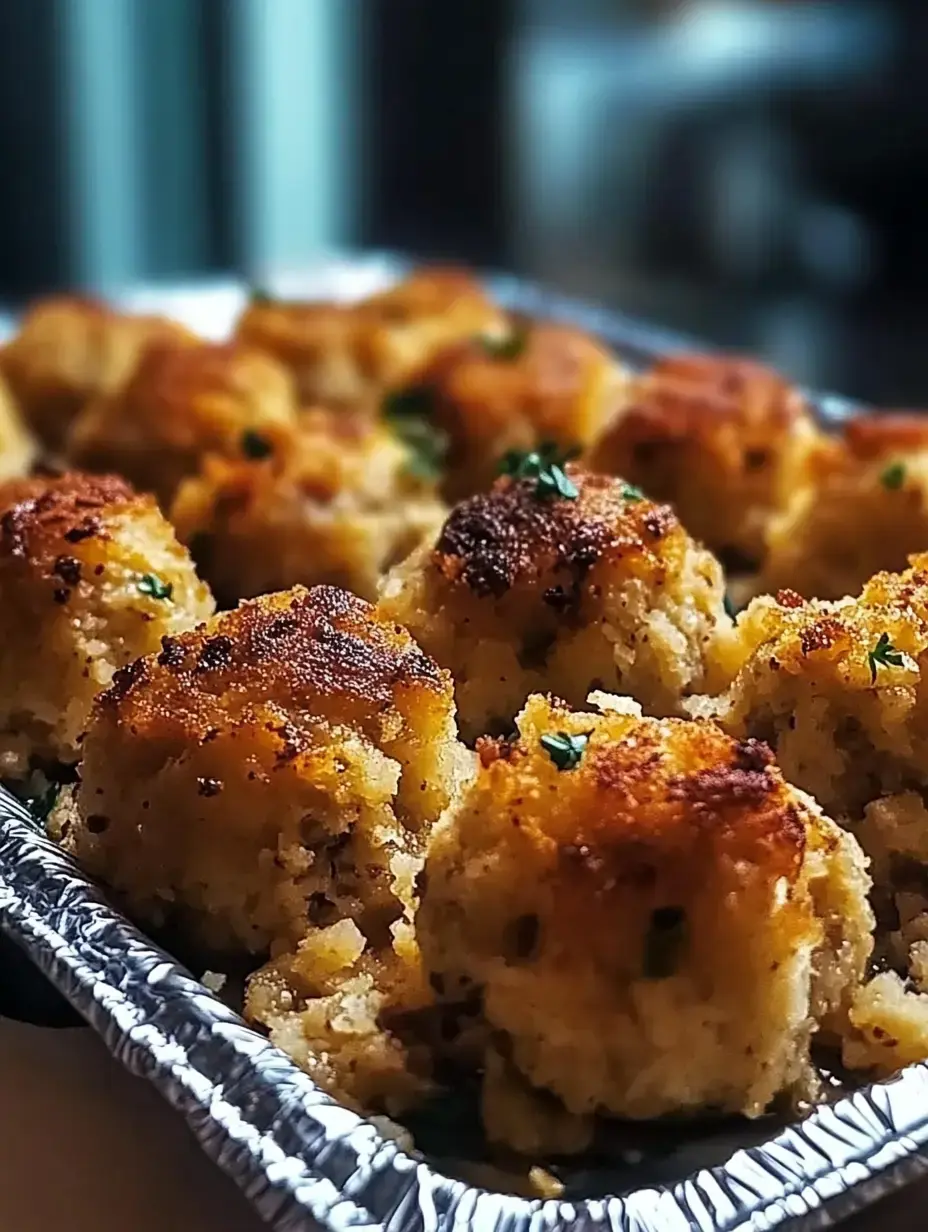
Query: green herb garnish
x=544, y=464
x=256, y=446
x=730, y=609
x=664, y=943
x=409, y=411
x=631, y=494
x=257, y=295
x=885, y=654
x=893, y=477
x=510, y=346
x=151, y=584
x=564, y=750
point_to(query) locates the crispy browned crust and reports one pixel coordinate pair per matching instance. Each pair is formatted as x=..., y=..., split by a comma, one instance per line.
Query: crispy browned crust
x=322, y=647
x=688, y=397
x=169, y=379
x=509, y=536
x=652, y=802
x=869, y=437
x=71, y=348
x=43, y=521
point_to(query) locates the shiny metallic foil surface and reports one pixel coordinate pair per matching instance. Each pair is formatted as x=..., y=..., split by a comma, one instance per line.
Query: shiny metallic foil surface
x=304, y=1161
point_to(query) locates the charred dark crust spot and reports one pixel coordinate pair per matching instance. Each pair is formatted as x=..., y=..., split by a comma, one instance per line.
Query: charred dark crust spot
x=789, y=599
x=216, y=655
x=325, y=643
x=722, y=787
x=124, y=681
x=508, y=536
x=42, y=514
x=68, y=568
x=752, y=755
x=208, y=787
x=821, y=635
x=172, y=652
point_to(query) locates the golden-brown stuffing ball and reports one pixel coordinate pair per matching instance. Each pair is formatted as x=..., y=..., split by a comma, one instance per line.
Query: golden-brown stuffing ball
x=181, y=404
x=541, y=383
x=268, y=772
x=528, y=591
x=654, y=920
x=837, y=688
x=721, y=439
x=348, y=354
x=17, y=446
x=92, y=576
x=336, y=500
x=347, y=1013
x=69, y=350
x=862, y=507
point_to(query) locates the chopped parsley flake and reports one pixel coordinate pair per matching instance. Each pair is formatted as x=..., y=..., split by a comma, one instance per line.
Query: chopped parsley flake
x=150, y=584
x=510, y=346
x=256, y=446
x=545, y=465
x=564, y=750
x=730, y=609
x=664, y=943
x=257, y=295
x=893, y=477
x=631, y=494
x=885, y=654
x=408, y=412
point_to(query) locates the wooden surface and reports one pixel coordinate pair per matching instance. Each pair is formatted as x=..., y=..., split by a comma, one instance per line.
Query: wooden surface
x=86, y=1147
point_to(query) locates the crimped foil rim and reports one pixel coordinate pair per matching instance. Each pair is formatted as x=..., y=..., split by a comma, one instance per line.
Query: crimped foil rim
x=304, y=1161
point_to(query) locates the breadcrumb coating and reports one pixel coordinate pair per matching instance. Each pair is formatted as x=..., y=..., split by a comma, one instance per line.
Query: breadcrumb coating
x=347, y=355
x=336, y=500
x=181, y=404
x=92, y=576
x=540, y=383
x=722, y=439
x=659, y=926
x=260, y=774
x=862, y=508
x=69, y=350
x=521, y=593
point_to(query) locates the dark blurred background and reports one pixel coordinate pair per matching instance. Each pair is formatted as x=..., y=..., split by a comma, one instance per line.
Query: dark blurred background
x=753, y=173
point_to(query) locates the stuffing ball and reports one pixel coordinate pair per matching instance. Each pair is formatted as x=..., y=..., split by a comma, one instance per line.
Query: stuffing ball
x=346, y=1014
x=347, y=354
x=181, y=404
x=17, y=447
x=863, y=507
x=721, y=439
x=837, y=689
x=336, y=500
x=268, y=772
x=652, y=919
x=69, y=350
x=541, y=383
x=92, y=576
x=529, y=590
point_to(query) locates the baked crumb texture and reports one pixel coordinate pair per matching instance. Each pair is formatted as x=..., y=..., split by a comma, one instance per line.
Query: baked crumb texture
x=269, y=772
x=723, y=440
x=92, y=576
x=349, y=355
x=521, y=593
x=336, y=499
x=69, y=350
x=183, y=402
x=660, y=928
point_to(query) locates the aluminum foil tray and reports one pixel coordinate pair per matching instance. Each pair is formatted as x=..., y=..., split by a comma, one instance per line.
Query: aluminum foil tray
x=307, y=1163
